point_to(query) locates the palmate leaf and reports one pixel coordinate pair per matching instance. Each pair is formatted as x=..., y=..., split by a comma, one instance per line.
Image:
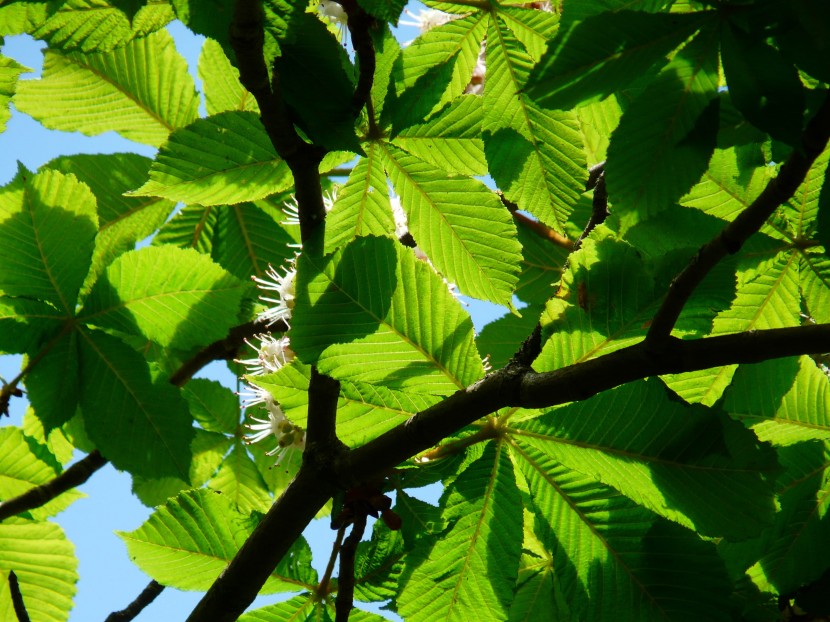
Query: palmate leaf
x=768, y=299
x=44, y=561
x=100, y=25
x=605, y=53
x=785, y=401
x=142, y=91
x=534, y=155
x=615, y=560
x=38, y=216
x=22, y=468
x=482, y=508
x=666, y=136
x=398, y=324
x=450, y=139
x=686, y=464
x=141, y=425
x=224, y=159
x=201, y=530
x=462, y=227
x=220, y=82
x=9, y=72
x=174, y=297
x=362, y=206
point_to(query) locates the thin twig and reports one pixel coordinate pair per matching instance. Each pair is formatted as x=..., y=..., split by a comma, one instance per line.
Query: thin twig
x=35, y=497
x=323, y=587
x=599, y=203
x=538, y=227
x=732, y=237
x=17, y=599
x=345, y=577
x=148, y=595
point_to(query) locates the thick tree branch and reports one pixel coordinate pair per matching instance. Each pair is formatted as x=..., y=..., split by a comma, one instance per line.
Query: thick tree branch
x=35, y=497
x=17, y=599
x=148, y=595
x=360, y=24
x=514, y=385
x=735, y=234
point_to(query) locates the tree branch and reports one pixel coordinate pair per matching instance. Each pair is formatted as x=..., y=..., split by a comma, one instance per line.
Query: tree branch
x=732, y=237
x=35, y=497
x=360, y=24
x=17, y=599
x=148, y=595
x=345, y=586
x=538, y=227
x=515, y=385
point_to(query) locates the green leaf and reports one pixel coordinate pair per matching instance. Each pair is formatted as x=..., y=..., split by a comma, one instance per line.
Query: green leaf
x=387, y=50
x=767, y=299
x=398, y=324
x=10, y=70
x=499, y=340
x=209, y=18
x=208, y=449
x=323, y=106
x=597, y=121
x=99, y=25
x=457, y=43
x=378, y=566
x=483, y=509
x=784, y=558
x=814, y=273
x=193, y=226
x=54, y=446
x=616, y=560
x=785, y=401
x=241, y=483
x=26, y=324
x=362, y=206
x=686, y=464
x=666, y=136
x=44, y=561
x=296, y=609
x=38, y=217
x=461, y=225
x=140, y=425
x=604, y=54
x=534, y=28
x=175, y=297
x=542, y=263
x=22, y=468
x=535, y=155
x=226, y=158
x=123, y=220
x=385, y=10
x=53, y=382
x=214, y=407
x=220, y=82
x=763, y=85
x=450, y=139
x=201, y=530
x=248, y=240
x=142, y=91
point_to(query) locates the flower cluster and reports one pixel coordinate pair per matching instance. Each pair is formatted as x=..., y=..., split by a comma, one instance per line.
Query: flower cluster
x=283, y=286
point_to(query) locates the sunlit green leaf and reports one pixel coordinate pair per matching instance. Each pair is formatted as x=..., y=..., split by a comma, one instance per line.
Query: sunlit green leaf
x=202, y=529
x=220, y=82
x=9, y=72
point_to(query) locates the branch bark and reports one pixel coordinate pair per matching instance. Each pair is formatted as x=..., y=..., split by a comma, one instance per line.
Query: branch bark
x=35, y=497
x=148, y=595
x=514, y=385
x=735, y=234
x=17, y=599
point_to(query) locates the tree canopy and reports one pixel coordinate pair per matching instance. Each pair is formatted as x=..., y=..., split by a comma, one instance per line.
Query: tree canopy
x=644, y=435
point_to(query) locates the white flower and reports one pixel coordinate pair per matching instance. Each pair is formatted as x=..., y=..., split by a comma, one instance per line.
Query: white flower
x=485, y=362
x=333, y=11
x=427, y=19
x=284, y=286
x=476, y=85
x=287, y=435
x=292, y=209
x=272, y=354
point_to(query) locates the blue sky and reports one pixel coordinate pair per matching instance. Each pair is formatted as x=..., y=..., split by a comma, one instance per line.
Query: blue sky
x=108, y=581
